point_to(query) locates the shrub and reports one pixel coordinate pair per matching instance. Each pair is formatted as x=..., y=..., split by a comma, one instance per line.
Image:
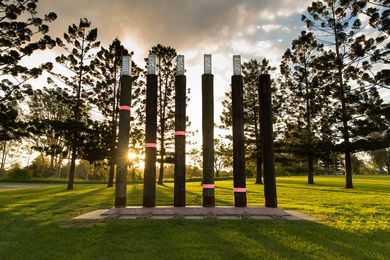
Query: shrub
x=19, y=173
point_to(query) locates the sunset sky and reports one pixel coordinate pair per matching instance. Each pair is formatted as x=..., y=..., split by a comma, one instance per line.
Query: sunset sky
x=250, y=28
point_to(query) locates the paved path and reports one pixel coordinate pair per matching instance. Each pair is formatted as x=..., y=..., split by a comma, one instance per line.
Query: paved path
x=13, y=186
x=196, y=213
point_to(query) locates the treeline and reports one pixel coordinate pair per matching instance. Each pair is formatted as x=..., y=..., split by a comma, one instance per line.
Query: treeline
x=75, y=115
x=326, y=99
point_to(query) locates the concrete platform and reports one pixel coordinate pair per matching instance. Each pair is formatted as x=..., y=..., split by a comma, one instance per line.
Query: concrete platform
x=196, y=213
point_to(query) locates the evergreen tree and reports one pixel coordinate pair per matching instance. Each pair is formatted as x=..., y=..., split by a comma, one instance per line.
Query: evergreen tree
x=223, y=156
x=338, y=28
x=165, y=69
x=306, y=96
x=19, y=30
x=106, y=96
x=378, y=14
x=79, y=43
x=250, y=70
x=49, y=112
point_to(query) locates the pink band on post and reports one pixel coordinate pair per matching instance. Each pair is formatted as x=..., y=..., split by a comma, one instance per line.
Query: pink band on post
x=180, y=132
x=150, y=145
x=125, y=108
x=239, y=189
x=208, y=186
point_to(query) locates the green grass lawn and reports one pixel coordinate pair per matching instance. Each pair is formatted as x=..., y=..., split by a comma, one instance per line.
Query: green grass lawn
x=36, y=223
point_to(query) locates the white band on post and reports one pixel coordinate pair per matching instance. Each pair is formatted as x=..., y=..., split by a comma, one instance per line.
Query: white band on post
x=126, y=65
x=180, y=65
x=152, y=64
x=236, y=65
x=207, y=64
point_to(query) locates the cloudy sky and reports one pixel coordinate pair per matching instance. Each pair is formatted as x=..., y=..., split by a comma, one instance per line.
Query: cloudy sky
x=250, y=28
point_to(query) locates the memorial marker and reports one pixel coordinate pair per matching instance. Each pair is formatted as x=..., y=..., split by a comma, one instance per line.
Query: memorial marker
x=238, y=135
x=208, y=133
x=267, y=138
x=124, y=128
x=149, y=193
x=180, y=128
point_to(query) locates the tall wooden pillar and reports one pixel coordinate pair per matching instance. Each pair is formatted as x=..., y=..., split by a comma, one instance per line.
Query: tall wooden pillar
x=238, y=135
x=208, y=133
x=266, y=126
x=124, y=128
x=180, y=128
x=149, y=196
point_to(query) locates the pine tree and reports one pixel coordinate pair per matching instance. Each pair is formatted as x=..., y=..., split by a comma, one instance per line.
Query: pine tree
x=106, y=96
x=79, y=44
x=306, y=96
x=335, y=25
x=165, y=69
x=377, y=11
x=19, y=30
x=250, y=71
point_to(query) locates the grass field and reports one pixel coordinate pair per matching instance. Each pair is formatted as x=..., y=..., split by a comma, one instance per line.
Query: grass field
x=36, y=223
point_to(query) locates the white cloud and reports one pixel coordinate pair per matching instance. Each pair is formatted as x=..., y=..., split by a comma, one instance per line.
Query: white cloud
x=275, y=27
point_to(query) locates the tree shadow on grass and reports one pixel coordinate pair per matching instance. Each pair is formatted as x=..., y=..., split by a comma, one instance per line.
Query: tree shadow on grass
x=169, y=239
x=318, y=188
x=236, y=239
x=165, y=195
x=58, y=202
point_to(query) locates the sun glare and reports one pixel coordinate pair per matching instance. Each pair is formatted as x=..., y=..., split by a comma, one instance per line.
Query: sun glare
x=131, y=156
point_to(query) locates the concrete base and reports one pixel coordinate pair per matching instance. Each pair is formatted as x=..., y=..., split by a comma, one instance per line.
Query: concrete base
x=196, y=213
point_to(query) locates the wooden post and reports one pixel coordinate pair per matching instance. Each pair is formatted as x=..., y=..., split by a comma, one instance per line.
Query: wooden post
x=124, y=128
x=149, y=196
x=180, y=128
x=238, y=135
x=208, y=133
x=267, y=140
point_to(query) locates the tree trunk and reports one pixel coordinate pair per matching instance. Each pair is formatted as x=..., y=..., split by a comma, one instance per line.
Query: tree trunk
x=310, y=154
x=259, y=167
x=327, y=167
x=3, y=158
x=77, y=119
x=72, y=168
x=111, y=174
x=162, y=157
x=343, y=99
x=58, y=166
x=310, y=162
x=51, y=167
